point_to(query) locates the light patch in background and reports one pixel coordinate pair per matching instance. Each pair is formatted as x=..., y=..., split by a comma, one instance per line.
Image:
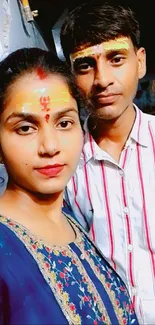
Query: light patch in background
x=5, y=22
x=56, y=35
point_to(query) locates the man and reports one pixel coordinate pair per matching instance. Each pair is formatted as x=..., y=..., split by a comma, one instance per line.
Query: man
x=112, y=192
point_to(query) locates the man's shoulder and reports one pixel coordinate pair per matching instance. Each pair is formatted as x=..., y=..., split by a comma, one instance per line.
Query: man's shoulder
x=147, y=129
x=148, y=123
x=149, y=118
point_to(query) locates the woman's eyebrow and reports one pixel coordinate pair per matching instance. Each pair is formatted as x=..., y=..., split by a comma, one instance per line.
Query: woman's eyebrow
x=24, y=116
x=65, y=111
x=34, y=117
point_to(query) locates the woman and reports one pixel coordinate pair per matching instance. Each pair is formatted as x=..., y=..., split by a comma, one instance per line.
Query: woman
x=50, y=271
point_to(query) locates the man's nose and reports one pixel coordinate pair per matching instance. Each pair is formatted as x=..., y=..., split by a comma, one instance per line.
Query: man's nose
x=103, y=75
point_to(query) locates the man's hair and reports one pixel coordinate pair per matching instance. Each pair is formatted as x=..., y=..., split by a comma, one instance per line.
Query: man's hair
x=28, y=60
x=96, y=22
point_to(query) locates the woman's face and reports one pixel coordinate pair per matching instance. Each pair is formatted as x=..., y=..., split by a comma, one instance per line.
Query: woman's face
x=40, y=134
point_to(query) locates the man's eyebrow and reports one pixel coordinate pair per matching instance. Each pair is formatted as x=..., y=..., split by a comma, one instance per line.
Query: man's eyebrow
x=34, y=118
x=90, y=57
x=85, y=59
x=114, y=51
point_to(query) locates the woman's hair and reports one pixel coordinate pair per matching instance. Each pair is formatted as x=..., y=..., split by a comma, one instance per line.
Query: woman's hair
x=95, y=22
x=29, y=60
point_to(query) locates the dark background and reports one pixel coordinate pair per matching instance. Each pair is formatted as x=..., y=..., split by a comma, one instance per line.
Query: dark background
x=51, y=10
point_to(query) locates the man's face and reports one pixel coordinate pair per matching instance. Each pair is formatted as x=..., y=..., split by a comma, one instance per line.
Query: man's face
x=108, y=75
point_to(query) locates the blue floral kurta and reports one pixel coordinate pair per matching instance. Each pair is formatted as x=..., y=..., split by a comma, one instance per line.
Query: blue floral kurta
x=42, y=284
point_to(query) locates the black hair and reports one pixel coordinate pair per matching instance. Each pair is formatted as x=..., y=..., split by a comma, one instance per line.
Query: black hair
x=96, y=22
x=27, y=60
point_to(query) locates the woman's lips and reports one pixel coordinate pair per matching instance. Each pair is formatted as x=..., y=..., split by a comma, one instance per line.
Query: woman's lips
x=50, y=171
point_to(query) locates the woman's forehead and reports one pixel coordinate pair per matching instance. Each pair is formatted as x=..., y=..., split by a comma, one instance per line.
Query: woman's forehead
x=31, y=94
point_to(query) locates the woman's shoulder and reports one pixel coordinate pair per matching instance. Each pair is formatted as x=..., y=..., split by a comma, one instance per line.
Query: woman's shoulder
x=11, y=247
x=7, y=239
x=4, y=231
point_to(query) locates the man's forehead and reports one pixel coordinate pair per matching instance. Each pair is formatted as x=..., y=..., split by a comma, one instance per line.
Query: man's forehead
x=116, y=44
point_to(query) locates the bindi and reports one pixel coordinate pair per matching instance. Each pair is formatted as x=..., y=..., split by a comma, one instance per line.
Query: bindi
x=47, y=116
x=42, y=74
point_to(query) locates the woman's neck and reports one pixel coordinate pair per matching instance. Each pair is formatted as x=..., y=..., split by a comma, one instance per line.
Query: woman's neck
x=42, y=205
x=41, y=215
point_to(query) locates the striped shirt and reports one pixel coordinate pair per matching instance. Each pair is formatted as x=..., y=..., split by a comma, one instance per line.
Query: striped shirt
x=115, y=202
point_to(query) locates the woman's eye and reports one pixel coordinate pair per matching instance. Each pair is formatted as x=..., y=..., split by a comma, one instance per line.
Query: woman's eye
x=25, y=129
x=65, y=124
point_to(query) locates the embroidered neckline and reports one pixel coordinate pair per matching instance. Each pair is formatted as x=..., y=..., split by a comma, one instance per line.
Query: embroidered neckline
x=7, y=221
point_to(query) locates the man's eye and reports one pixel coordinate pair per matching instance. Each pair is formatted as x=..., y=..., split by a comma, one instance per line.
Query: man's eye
x=118, y=59
x=83, y=66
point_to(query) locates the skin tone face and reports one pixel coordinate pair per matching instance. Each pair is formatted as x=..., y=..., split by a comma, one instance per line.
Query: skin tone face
x=39, y=128
x=108, y=74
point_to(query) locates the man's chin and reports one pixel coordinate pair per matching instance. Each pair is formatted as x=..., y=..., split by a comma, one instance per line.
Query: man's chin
x=103, y=112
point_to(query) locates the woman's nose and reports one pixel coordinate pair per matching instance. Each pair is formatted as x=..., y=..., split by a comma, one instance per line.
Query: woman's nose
x=49, y=144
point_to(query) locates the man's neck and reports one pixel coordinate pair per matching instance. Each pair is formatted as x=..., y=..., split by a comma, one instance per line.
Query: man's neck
x=111, y=136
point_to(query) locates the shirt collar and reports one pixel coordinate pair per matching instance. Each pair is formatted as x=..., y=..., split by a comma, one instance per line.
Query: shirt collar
x=139, y=134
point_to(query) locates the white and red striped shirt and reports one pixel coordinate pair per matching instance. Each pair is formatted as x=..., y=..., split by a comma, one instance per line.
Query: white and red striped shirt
x=116, y=203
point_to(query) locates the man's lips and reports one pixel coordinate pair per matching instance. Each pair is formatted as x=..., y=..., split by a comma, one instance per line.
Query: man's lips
x=108, y=99
x=50, y=170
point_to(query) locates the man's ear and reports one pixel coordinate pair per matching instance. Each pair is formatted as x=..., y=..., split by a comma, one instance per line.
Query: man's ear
x=141, y=56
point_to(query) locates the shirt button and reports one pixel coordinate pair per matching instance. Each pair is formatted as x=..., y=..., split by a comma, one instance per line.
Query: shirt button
x=130, y=247
x=121, y=172
x=126, y=210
